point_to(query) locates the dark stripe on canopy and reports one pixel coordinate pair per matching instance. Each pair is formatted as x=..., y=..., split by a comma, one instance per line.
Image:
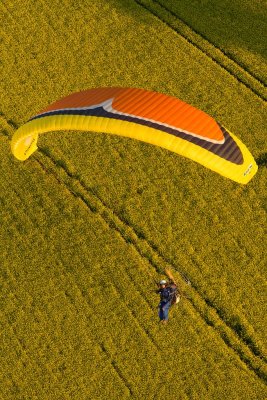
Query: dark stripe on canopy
x=229, y=150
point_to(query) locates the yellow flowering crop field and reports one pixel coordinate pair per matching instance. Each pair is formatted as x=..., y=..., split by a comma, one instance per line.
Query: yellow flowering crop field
x=91, y=221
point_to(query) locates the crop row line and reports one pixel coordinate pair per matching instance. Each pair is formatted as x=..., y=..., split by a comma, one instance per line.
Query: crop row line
x=70, y=299
x=246, y=349
x=119, y=294
x=126, y=231
x=132, y=313
x=100, y=344
x=24, y=354
x=212, y=51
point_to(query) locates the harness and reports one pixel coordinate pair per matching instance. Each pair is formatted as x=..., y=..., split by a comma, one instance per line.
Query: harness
x=169, y=294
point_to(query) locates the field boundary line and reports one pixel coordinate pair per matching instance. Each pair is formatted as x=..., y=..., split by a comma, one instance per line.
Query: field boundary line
x=205, y=46
x=209, y=312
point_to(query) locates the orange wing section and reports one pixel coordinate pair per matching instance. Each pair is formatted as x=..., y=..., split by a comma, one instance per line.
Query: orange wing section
x=84, y=98
x=146, y=104
x=167, y=110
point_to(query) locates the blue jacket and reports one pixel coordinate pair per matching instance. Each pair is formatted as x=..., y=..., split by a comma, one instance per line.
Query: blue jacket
x=165, y=294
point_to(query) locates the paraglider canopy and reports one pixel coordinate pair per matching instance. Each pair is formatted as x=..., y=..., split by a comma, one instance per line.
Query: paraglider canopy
x=140, y=114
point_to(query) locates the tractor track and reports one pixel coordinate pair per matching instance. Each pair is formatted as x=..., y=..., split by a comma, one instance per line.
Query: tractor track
x=203, y=44
x=245, y=349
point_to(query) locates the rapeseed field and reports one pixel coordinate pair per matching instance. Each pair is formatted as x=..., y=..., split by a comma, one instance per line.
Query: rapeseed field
x=91, y=221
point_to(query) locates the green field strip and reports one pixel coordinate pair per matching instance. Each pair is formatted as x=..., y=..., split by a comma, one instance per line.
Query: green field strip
x=214, y=53
x=245, y=351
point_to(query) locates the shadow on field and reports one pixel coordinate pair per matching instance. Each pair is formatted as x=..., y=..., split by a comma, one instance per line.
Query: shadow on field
x=262, y=160
x=237, y=28
x=225, y=25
